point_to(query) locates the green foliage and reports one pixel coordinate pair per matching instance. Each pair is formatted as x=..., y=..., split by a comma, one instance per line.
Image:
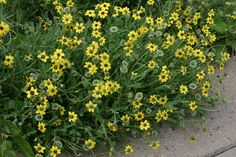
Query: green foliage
x=225, y=23
x=11, y=138
x=67, y=85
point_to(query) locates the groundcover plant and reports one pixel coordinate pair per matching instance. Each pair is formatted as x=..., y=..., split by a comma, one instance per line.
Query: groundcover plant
x=78, y=75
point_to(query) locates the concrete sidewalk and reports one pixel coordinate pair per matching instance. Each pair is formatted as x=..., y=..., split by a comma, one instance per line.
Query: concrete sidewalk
x=229, y=153
x=219, y=140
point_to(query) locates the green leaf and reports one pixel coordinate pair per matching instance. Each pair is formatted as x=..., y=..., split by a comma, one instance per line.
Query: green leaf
x=8, y=153
x=218, y=49
x=220, y=25
x=24, y=146
x=232, y=44
x=9, y=127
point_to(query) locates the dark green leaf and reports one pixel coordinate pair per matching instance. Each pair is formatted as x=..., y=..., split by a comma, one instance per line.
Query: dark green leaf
x=24, y=146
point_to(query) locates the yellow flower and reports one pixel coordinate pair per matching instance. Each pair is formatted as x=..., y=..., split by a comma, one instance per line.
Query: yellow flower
x=181, y=35
x=96, y=93
x=113, y=127
x=187, y=11
x=159, y=21
x=39, y=148
x=128, y=149
x=202, y=58
x=158, y=116
x=206, y=85
x=136, y=104
x=79, y=27
x=29, y=81
x=145, y=125
x=179, y=53
x=9, y=60
x=41, y=109
x=133, y=36
x=149, y=20
x=4, y=28
x=58, y=54
x=125, y=11
x=44, y=100
x=105, y=66
x=136, y=16
x=62, y=110
x=164, y=76
x=91, y=106
x=117, y=9
x=104, y=6
x=179, y=24
x=183, y=70
x=70, y=3
x=56, y=68
x=225, y=56
x=125, y=118
x=65, y=40
x=151, y=64
x=43, y=57
x=75, y=42
x=170, y=39
x=192, y=105
x=164, y=114
x=3, y=1
x=151, y=47
x=163, y=100
x=153, y=99
x=211, y=13
x=96, y=34
x=90, y=13
x=196, y=17
x=133, y=73
x=96, y=25
x=91, y=67
x=103, y=14
x=205, y=129
x=90, y=143
x=104, y=57
x=200, y=75
x=41, y=127
x=47, y=83
x=211, y=70
x=67, y=19
x=57, y=122
x=92, y=49
x=54, y=151
x=154, y=145
x=139, y=116
x=210, y=20
x=102, y=41
x=222, y=66
x=150, y=2
x=183, y=89
x=191, y=40
x=32, y=93
x=192, y=139
x=72, y=116
x=51, y=90
x=174, y=16
x=205, y=93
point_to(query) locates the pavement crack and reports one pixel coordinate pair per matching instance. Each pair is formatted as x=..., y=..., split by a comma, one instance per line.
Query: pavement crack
x=221, y=151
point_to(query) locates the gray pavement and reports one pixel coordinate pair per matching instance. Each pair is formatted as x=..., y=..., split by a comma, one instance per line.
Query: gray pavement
x=229, y=153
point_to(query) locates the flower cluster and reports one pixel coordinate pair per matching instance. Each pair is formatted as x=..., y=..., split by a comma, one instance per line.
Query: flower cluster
x=113, y=70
